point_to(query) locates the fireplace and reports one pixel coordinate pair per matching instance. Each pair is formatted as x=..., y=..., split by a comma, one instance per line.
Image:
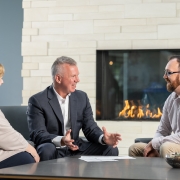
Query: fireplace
x=130, y=84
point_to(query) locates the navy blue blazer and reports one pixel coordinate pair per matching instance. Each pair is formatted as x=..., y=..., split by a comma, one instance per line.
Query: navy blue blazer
x=45, y=120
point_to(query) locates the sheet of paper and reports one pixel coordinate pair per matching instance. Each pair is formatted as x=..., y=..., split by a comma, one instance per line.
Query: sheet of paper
x=98, y=160
x=103, y=158
x=125, y=157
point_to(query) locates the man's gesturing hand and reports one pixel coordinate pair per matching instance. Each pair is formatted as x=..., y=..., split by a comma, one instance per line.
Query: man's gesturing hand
x=111, y=138
x=66, y=140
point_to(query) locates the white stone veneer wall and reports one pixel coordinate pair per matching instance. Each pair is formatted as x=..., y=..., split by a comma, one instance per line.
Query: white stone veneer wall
x=77, y=28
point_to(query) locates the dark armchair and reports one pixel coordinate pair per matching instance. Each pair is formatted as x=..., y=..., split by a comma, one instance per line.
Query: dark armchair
x=144, y=140
x=16, y=115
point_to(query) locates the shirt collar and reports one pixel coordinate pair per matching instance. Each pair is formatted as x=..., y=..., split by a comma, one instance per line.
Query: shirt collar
x=60, y=98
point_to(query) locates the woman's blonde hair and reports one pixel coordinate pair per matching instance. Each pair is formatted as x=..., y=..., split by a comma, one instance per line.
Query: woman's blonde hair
x=2, y=70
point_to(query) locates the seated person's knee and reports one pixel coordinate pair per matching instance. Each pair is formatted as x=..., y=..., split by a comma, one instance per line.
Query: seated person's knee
x=46, y=151
x=115, y=151
x=165, y=149
x=131, y=149
x=110, y=151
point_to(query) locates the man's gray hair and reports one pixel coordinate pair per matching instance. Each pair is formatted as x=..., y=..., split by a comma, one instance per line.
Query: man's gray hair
x=56, y=68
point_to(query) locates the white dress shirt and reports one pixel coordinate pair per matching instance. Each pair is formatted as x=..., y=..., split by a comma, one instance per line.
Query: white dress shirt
x=64, y=105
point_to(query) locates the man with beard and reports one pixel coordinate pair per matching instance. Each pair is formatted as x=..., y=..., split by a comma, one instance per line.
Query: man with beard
x=167, y=136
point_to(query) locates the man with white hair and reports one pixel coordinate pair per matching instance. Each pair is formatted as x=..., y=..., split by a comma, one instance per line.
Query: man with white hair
x=57, y=114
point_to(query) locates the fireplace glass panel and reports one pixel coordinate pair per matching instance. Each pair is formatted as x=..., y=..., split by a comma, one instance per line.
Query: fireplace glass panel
x=130, y=84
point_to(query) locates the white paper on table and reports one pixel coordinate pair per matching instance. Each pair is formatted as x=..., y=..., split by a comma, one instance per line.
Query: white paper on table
x=103, y=158
x=98, y=160
x=125, y=157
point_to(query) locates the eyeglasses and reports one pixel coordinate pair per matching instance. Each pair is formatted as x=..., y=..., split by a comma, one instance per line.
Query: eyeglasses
x=168, y=73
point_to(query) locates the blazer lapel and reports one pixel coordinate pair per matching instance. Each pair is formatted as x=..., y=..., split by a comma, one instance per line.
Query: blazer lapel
x=73, y=112
x=53, y=101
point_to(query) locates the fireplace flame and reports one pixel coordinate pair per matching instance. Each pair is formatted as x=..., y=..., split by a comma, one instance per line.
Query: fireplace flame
x=139, y=111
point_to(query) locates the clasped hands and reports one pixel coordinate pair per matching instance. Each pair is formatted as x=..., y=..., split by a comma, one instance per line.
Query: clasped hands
x=111, y=139
x=149, y=151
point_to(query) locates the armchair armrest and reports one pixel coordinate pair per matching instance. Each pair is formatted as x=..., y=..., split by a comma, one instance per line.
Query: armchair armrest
x=144, y=140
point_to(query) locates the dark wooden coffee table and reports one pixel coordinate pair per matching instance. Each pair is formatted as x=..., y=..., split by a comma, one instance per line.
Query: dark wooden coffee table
x=73, y=168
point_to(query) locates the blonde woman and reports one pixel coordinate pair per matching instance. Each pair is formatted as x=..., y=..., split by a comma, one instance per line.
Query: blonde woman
x=14, y=149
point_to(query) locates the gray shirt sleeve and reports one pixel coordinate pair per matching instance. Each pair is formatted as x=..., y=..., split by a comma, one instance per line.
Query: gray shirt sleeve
x=168, y=124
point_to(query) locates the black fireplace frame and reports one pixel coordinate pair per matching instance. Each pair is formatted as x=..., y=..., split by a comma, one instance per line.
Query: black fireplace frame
x=103, y=80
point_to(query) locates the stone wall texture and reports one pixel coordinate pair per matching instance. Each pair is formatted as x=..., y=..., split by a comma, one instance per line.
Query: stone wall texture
x=77, y=28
